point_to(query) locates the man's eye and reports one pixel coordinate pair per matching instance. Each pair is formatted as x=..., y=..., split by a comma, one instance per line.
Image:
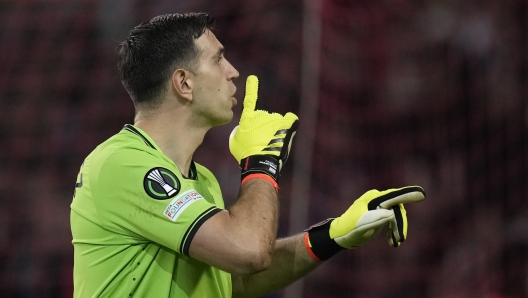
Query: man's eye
x=219, y=58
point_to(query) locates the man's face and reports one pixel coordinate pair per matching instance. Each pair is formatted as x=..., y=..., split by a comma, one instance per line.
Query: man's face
x=213, y=90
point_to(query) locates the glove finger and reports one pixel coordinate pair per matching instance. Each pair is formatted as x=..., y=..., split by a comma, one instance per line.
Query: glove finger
x=397, y=232
x=288, y=140
x=233, y=132
x=291, y=116
x=374, y=219
x=392, y=238
x=250, y=99
x=389, y=198
x=367, y=227
x=232, y=141
x=365, y=220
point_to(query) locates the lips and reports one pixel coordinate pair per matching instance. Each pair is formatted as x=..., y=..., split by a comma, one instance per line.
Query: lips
x=233, y=99
x=235, y=89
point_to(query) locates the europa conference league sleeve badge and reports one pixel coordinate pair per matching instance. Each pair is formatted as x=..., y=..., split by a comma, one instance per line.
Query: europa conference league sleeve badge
x=161, y=183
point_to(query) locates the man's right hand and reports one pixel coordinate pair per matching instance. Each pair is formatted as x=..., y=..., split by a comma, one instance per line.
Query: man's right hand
x=262, y=140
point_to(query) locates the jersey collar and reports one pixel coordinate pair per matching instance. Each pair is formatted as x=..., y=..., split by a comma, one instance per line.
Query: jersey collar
x=193, y=174
x=142, y=135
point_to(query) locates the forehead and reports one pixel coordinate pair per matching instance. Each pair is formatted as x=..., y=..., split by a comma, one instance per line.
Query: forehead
x=208, y=44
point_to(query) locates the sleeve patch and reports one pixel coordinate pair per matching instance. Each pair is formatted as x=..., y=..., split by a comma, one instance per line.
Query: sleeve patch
x=161, y=183
x=180, y=203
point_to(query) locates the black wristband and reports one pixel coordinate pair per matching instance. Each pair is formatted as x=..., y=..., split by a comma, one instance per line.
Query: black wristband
x=322, y=246
x=265, y=164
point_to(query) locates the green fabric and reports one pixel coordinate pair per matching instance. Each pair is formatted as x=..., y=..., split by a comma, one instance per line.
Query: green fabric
x=129, y=244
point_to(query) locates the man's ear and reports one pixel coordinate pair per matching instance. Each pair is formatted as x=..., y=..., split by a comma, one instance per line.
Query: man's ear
x=182, y=83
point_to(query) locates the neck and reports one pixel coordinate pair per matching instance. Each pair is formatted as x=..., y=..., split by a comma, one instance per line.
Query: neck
x=174, y=133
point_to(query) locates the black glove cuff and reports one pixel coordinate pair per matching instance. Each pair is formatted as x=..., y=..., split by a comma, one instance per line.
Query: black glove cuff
x=265, y=164
x=323, y=247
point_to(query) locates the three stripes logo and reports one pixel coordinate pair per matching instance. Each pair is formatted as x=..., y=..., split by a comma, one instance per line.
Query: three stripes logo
x=280, y=136
x=284, y=136
x=161, y=183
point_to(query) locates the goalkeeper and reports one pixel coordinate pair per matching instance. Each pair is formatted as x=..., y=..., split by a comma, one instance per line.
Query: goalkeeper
x=147, y=221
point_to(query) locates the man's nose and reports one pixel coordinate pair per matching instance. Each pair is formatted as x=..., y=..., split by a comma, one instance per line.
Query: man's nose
x=232, y=72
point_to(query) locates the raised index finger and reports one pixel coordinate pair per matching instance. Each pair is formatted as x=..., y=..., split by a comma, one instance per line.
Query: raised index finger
x=250, y=99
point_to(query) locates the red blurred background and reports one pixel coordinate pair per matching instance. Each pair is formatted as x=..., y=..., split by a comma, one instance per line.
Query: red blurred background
x=428, y=92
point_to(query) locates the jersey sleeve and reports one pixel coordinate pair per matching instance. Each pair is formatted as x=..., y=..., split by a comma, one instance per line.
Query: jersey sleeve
x=206, y=174
x=143, y=197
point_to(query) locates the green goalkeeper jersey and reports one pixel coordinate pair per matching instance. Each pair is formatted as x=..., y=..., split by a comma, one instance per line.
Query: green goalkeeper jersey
x=133, y=218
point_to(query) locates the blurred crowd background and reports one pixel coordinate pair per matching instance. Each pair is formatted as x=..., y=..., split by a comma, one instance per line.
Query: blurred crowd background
x=427, y=92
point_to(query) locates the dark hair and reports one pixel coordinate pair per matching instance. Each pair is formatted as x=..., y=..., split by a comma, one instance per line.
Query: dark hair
x=154, y=49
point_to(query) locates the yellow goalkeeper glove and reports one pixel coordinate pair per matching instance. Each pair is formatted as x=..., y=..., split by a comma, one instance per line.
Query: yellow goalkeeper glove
x=262, y=140
x=363, y=221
